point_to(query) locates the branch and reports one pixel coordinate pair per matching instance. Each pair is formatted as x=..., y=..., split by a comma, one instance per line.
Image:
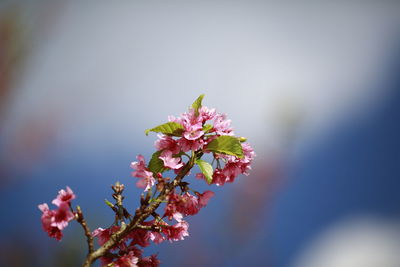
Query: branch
x=89, y=238
x=141, y=214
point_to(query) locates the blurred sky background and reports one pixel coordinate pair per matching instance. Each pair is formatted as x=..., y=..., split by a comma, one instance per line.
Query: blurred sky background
x=314, y=85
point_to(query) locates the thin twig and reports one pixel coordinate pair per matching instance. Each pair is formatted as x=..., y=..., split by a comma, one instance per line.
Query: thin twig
x=89, y=238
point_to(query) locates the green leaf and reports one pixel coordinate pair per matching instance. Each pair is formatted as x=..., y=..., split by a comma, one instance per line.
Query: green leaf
x=156, y=165
x=226, y=144
x=169, y=128
x=197, y=104
x=206, y=169
x=207, y=127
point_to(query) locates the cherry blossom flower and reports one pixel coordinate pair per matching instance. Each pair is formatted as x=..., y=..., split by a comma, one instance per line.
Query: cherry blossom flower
x=204, y=198
x=156, y=237
x=47, y=219
x=169, y=161
x=62, y=216
x=64, y=196
x=102, y=235
x=140, y=237
x=179, y=206
x=189, y=204
x=151, y=261
x=218, y=177
x=176, y=232
x=127, y=260
x=206, y=114
x=54, y=221
x=222, y=125
x=141, y=171
x=187, y=145
x=167, y=143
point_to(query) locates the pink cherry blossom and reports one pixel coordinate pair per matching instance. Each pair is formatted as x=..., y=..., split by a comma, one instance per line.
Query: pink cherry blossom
x=222, y=125
x=151, y=261
x=156, y=237
x=218, y=177
x=127, y=260
x=140, y=237
x=62, y=216
x=167, y=143
x=233, y=166
x=103, y=235
x=176, y=232
x=179, y=206
x=205, y=197
x=177, y=216
x=193, y=131
x=47, y=218
x=188, y=204
x=206, y=114
x=169, y=161
x=187, y=145
x=141, y=171
x=171, y=207
x=64, y=196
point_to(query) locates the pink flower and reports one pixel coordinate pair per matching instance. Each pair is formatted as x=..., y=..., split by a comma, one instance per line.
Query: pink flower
x=177, y=216
x=187, y=145
x=151, y=261
x=140, y=237
x=103, y=235
x=234, y=166
x=193, y=131
x=47, y=218
x=167, y=143
x=127, y=260
x=222, y=125
x=218, y=177
x=141, y=171
x=169, y=161
x=205, y=197
x=249, y=155
x=54, y=221
x=64, y=196
x=156, y=237
x=206, y=114
x=62, y=216
x=231, y=170
x=176, y=232
x=171, y=207
x=188, y=204
x=179, y=206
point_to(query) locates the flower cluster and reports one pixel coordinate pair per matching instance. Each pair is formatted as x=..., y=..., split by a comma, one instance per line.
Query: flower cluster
x=233, y=166
x=126, y=253
x=54, y=221
x=194, y=131
x=179, y=206
x=156, y=230
x=141, y=171
x=181, y=144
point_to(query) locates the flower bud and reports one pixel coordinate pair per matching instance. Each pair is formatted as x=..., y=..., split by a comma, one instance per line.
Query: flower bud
x=242, y=139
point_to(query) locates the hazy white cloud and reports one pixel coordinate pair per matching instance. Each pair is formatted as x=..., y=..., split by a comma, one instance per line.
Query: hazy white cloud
x=355, y=242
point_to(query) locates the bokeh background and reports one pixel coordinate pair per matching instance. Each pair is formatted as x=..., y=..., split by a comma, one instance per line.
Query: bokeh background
x=314, y=85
